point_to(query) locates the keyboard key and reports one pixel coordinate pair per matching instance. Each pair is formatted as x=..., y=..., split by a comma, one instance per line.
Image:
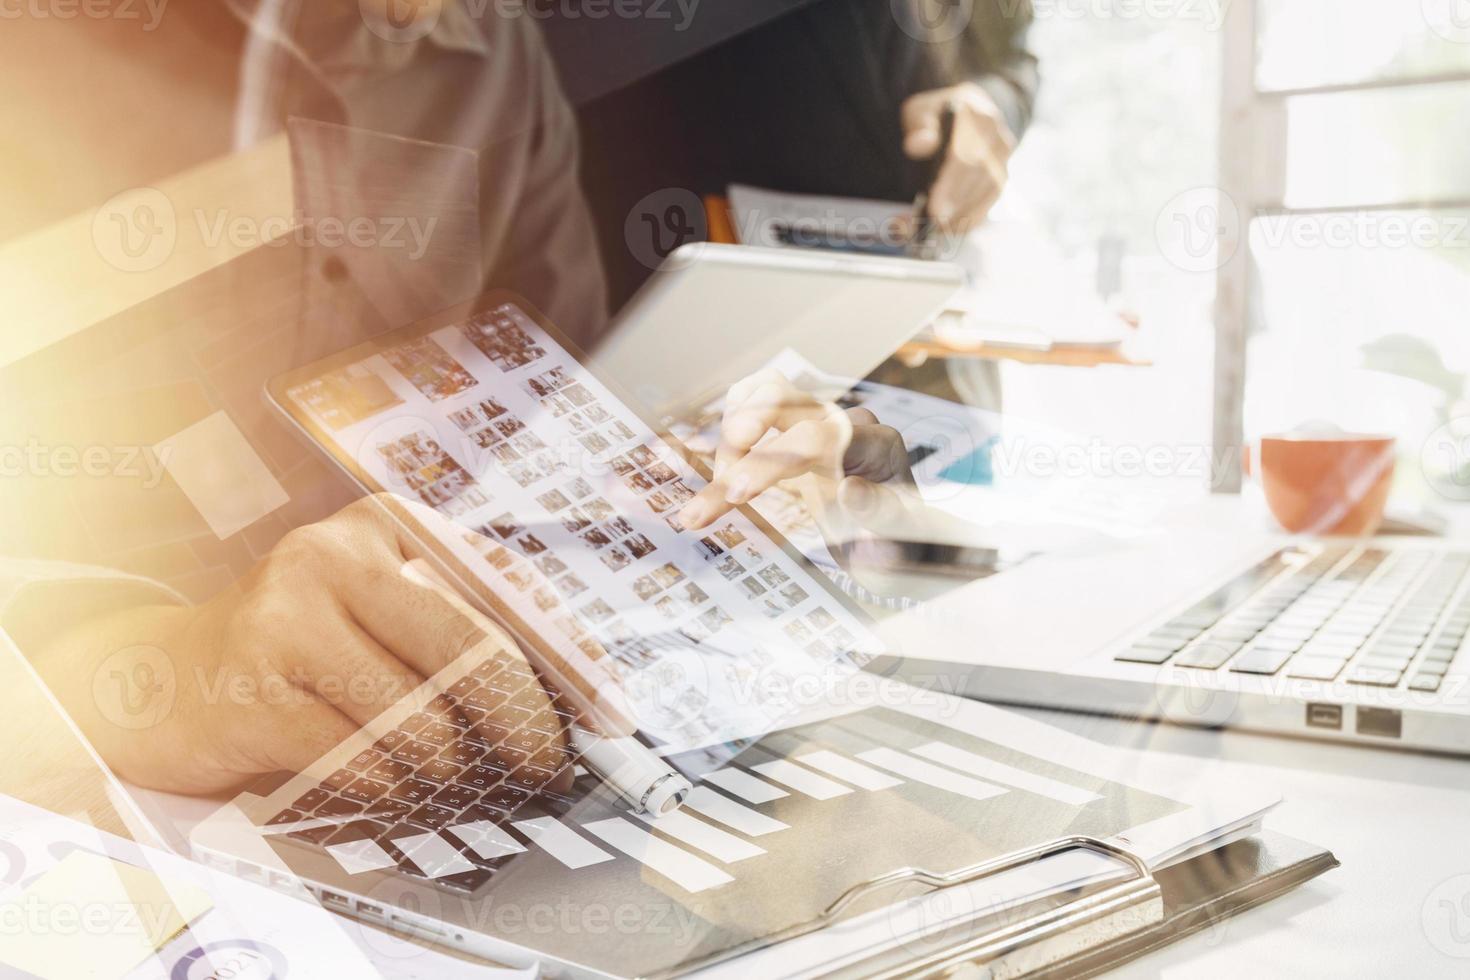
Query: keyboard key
x=487, y=733
x=338, y=807
x=440, y=704
x=486, y=699
x=1316, y=668
x=1393, y=648
x=483, y=811
x=414, y=791
x=390, y=741
x=1434, y=668
x=456, y=797
x=488, y=669
x=387, y=809
x=311, y=799
x=314, y=835
x=505, y=798
x=463, y=686
x=430, y=817
x=358, y=830
x=508, y=757
x=1207, y=655
x=285, y=816
x=438, y=733
x=365, y=790
x=363, y=760
x=480, y=777
x=338, y=779
x=415, y=721
x=1234, y=632
x=1258, y=660
x=462, y=753
x=1144, y=655
x=389, y=771
x=529, y=778
x=1373, y=676
x=552, y=757
x=1329, y=650
x=1383, y=661
x=513, y=717
x=1278, y=644
x=469, y=716
x=1425, y=682
x=527, y=741
x=531, y=699
x=439, y=771
x=416, y=753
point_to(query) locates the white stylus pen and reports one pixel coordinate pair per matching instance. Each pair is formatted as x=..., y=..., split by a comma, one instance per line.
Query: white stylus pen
x=632, y=770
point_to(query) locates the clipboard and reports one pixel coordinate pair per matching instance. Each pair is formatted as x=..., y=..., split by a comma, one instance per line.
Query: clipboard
x=1011, y=941
x=1098, y=929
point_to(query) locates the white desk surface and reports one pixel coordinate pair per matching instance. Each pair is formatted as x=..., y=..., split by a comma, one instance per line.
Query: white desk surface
x=1399, y=822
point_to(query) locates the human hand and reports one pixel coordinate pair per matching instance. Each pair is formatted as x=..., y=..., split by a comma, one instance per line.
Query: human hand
x=340, y=621
x=851, y=470
x=772, y=432
x=973, y=173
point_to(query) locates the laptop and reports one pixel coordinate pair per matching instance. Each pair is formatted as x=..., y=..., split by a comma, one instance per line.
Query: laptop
x=1359, y=641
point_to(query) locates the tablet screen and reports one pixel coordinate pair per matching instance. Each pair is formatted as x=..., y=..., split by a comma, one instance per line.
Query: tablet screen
x=562, y=500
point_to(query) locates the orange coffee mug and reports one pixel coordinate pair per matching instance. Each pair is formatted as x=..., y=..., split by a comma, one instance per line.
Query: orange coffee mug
x=1325, y=483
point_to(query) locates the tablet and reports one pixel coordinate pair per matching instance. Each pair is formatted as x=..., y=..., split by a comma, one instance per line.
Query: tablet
x=552, y=500
x=713, y=314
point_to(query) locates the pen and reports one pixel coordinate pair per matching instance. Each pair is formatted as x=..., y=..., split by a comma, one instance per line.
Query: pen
x=632, y=770
x=924, y=224
x=624, y=764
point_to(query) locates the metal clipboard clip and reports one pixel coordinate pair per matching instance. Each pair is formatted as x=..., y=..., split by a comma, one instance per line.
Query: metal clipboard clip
x=995, y=943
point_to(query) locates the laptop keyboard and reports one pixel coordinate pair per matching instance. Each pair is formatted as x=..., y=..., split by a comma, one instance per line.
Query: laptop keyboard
x=443, y=766
x=1357, y=614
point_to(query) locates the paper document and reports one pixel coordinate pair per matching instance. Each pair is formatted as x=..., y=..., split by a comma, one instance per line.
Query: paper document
x=774, y=220
x=91, y=916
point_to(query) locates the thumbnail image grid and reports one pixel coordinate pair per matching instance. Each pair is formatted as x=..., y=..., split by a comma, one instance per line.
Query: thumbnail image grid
x=431, y=369
x=498, y=335
x=342, y=398
x=418, y=462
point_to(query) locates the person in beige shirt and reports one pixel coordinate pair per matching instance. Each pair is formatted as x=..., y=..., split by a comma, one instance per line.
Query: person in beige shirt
x=162, y=638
